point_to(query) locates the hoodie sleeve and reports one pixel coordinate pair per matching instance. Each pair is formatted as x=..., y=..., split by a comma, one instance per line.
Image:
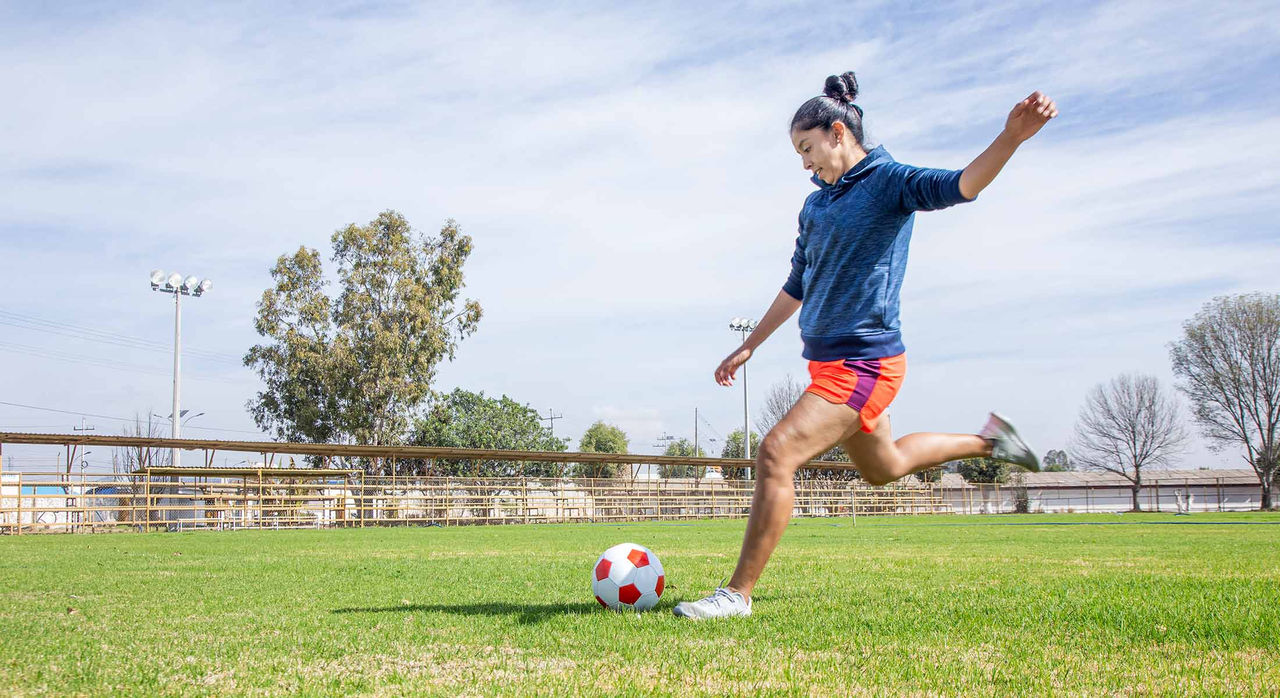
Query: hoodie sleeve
x=794, y=286
x=923, y=189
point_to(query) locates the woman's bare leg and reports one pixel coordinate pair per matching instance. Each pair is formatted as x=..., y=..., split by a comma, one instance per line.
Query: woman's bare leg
x=812, y=426
x=882, y=460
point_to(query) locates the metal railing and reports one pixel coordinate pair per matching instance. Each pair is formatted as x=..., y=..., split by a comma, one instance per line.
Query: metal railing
x=277, y=499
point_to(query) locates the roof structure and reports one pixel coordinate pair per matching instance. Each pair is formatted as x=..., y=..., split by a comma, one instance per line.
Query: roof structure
x=307, y=473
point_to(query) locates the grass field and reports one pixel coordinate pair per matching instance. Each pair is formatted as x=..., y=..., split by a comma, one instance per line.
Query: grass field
x=919, y=605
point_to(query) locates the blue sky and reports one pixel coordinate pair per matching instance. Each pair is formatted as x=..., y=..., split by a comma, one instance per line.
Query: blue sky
x=627, y=179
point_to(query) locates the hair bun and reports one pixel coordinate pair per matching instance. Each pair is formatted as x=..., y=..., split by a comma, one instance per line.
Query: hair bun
x=842, y=87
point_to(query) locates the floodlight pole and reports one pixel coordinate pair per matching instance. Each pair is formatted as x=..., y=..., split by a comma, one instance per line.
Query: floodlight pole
x=177, y=375
x=745, y=326
x=175, y=284
x=746, y=423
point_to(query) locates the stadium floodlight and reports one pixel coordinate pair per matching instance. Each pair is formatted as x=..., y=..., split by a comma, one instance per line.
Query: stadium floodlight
x=190, y=286
x=745, y=326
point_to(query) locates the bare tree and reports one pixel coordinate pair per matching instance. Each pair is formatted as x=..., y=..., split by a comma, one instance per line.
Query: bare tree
x=126, y=459
x=1228, y=363
x=777, y=402
x=1126, y=426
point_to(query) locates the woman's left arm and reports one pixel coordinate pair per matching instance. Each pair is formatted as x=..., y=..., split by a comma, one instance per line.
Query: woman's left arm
x=1026, y=119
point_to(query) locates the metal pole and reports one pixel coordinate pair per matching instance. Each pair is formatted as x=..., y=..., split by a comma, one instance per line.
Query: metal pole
x=177, y=384
x=695, y=433
x=746, y=425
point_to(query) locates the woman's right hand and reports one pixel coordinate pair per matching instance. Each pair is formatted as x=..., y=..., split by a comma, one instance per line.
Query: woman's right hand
x=729, y=367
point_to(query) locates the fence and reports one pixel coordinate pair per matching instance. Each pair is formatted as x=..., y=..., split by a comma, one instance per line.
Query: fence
x=275, y=497
x=165, y=499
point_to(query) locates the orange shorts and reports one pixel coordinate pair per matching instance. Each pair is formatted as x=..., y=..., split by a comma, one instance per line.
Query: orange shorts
x=866, y=385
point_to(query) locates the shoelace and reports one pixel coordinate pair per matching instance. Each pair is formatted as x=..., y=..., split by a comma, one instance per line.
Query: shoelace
x=722, y=593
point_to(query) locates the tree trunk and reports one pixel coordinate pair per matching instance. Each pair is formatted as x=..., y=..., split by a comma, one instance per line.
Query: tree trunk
x=1266, y=493
x=1136, y=505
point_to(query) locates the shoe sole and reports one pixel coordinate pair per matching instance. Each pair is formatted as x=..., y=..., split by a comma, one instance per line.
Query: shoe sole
x=676, y=612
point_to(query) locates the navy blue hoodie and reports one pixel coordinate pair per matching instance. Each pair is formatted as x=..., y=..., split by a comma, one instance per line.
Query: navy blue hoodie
x=851, y=255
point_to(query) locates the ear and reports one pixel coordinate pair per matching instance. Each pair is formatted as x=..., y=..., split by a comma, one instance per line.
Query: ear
x=838, y=133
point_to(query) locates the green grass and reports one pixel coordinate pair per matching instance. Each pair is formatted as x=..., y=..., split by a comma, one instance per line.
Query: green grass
x=894, y=605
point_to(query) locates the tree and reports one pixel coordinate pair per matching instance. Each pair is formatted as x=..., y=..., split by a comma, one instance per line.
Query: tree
x=126, y=459
x=931, y=475
x=1228, y=366
x=733, y=449
x=1057, y=462
x=983, y=470
x=601, y=438
x=356, y=368
x=464, y=419
x=1128, y=425
x=682, y=448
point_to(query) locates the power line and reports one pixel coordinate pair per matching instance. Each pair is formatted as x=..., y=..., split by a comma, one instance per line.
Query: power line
x=67, y=329
x=69, y=357
x=709, y=426
x=119, y=419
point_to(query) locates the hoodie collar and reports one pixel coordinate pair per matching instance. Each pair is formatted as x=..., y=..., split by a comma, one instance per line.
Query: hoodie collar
x=878, y=156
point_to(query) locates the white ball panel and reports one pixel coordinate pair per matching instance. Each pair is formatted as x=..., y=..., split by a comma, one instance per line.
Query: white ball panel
x=647, y=601
x=621, y=571
x=607, y=591
x=645, y=579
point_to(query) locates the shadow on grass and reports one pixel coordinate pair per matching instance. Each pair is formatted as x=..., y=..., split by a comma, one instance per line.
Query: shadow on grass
x=525, y=613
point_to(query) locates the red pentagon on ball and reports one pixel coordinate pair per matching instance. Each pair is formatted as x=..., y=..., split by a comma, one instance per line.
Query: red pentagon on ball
x=639, y=558
x=602, y=603
x=661, y=583
x=602, y=570
x=628, y=594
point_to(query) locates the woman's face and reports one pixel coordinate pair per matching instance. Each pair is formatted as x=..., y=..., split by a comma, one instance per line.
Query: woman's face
x=824, y=153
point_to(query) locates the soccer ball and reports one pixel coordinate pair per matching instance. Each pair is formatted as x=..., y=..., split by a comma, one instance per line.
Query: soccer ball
x=628, y=576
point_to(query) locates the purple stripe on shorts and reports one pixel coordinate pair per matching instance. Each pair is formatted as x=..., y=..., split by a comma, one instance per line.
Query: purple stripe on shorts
x=868, y=372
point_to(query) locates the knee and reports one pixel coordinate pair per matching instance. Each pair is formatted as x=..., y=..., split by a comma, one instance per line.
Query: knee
x=774, y=459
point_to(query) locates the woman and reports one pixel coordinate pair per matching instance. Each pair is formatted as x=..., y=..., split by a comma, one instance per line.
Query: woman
x=845, y=279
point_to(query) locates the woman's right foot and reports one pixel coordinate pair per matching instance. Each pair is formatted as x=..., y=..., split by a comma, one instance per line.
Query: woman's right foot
x=724, y=603
x=1006, y=445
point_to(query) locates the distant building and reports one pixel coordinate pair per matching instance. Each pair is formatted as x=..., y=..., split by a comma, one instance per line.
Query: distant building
x=1092, y=491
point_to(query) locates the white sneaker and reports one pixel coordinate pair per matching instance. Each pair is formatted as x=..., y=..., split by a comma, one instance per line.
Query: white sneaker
x=1007, y=446
x=724, y=603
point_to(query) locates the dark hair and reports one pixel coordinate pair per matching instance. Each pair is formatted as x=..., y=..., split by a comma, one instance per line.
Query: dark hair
x=835, y=104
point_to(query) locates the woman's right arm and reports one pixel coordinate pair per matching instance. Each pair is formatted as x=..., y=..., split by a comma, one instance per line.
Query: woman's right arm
x=784, y=306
